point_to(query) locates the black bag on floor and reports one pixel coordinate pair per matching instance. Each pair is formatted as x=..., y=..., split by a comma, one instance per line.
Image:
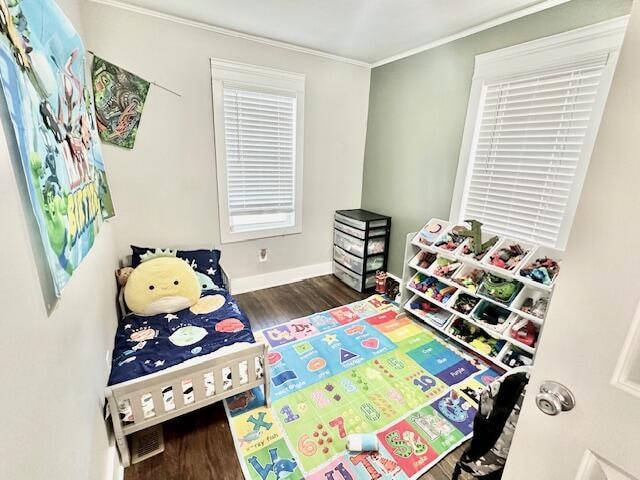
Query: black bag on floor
x=499, y=408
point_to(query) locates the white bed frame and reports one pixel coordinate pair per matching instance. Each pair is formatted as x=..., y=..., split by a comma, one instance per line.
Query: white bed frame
x=193, y=372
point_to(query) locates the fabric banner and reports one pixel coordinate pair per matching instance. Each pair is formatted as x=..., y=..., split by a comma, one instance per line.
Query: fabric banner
x=120, y=97
x=42, y=67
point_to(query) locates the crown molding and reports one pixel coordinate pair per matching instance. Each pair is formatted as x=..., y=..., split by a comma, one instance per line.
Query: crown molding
x=230, y=33
x=319, y=53
x=470, y=31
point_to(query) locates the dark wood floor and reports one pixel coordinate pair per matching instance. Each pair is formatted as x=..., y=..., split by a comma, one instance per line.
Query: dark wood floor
x=198, y=446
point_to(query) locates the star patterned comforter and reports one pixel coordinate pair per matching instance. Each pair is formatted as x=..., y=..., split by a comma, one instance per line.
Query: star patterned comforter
x=145, y=345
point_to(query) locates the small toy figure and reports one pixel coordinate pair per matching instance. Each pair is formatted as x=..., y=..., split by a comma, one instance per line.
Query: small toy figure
x=543, y=270
x=537, y=309
x=392, y=288
x=381, y=282
x=445, y=267
x=451, y=240
x=508, y=257
x=493, y=315
x=525, y=332
x=516, y=358
x=122, y=275
x=425, y=259
x=471, y=281
x=540, y=308
x=465, y=303
x=475, y=337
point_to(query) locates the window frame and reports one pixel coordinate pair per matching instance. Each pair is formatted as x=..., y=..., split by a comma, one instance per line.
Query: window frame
x=262, y=79
x=527, y=58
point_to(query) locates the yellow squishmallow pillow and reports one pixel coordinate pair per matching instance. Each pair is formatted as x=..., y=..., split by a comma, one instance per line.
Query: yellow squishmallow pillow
x=161, y=285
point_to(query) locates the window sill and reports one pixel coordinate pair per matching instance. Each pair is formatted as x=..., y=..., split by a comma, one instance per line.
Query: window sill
x=233, y=237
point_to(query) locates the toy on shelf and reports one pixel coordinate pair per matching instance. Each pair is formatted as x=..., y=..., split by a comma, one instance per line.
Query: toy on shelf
x=381, y=282
x=543, y=270
x=471, y=279
x=467, y=250
x=425, y=259
x=445, y=267
x=537, y=308
x=451, y=240
x=499, y=289
x=475, y=244
x=517, y=358
x=430, y=311
x=476, y=337
x=525, y=332
x=509, y=256
x=431, y=232
x=432, y=287
x=492, y=315
x=465, y=303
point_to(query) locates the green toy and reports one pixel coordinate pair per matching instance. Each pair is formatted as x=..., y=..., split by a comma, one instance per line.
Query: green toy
x=500, y=289
x=475, y=233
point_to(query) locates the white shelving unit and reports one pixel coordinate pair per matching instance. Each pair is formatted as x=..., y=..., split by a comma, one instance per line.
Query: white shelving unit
x=443, y=320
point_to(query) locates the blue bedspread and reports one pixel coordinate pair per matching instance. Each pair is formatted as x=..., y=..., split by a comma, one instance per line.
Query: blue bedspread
x=145, y=345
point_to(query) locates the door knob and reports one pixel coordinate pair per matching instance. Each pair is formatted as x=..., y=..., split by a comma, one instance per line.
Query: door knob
x=554, y=398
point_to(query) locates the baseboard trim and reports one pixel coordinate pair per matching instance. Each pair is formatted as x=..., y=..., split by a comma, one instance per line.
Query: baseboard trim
x=115, y=470
x=118, y=474
x=281, y=277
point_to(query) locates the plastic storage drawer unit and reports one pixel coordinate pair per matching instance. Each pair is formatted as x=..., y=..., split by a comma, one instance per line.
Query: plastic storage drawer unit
x=360, y=241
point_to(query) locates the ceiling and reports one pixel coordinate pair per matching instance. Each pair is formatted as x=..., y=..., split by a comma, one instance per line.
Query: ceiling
x=364, y=30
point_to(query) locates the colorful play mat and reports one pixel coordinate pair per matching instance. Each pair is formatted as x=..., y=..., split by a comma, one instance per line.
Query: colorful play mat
x=358, y=368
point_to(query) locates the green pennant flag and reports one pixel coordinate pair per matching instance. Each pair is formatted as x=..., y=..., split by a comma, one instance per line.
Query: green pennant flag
x=119, y=101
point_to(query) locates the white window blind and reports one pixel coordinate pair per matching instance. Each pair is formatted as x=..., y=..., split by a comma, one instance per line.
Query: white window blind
x=260, y=139
x=529, y=138
x=259, y=132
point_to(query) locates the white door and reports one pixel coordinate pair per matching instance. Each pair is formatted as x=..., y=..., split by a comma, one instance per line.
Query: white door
x=591, y=339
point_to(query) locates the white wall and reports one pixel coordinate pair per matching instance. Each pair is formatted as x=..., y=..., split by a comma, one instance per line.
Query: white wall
x=165, y=188
x=53, y=368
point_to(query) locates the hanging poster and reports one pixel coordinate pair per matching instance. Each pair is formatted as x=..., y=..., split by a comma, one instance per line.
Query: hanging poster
x=42, y=68
x=119, y=97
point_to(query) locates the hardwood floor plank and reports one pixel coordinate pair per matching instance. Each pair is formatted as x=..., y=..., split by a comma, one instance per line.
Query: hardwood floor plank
x=199, y=445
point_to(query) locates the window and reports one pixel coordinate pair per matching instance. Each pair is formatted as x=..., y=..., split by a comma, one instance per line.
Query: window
x=258, y=125
x=533, y=117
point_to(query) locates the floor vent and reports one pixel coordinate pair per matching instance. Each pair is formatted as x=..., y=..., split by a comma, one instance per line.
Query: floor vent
x=147, y=443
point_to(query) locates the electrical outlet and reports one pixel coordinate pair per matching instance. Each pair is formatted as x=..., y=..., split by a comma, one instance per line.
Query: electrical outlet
x=262, y=255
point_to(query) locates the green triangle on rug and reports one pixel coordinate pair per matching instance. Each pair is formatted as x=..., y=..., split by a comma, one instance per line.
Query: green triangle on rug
x=360, y=368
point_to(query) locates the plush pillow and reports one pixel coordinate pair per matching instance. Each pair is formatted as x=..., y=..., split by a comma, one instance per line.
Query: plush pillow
x=205, y=262
x=161, y=285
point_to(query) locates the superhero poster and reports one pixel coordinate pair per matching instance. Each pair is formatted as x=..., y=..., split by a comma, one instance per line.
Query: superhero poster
x=42, y=67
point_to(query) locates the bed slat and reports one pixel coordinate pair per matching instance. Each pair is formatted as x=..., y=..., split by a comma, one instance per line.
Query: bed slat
x=235, y=374
x=178, y=395
x=217, y=379
x=199, y=391
x=251, y=368
x=158, y=402
x=136, y=407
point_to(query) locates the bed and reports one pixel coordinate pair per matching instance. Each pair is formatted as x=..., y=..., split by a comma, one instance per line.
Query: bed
x=166, y=365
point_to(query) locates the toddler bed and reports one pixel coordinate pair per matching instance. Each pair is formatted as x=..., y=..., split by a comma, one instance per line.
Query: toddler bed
x=166, y=365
